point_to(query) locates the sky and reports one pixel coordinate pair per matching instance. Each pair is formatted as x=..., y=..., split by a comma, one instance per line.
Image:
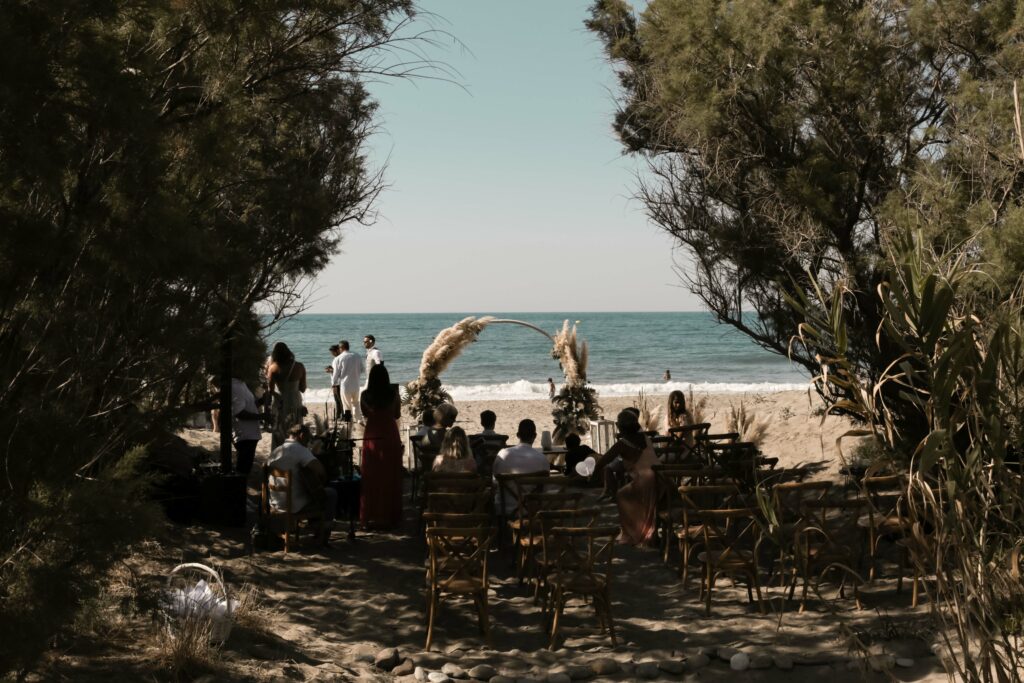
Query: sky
x=507, y=190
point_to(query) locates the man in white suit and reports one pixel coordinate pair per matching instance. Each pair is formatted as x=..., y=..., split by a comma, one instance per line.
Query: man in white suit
x=350, y=367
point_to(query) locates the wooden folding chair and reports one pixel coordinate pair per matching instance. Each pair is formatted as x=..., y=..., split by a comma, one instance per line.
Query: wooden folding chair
x=280, y=481
x=458, y=520
x=703, y=443
x=485, y=451
x=690, y=530
x=458, y=566
x=731, y=540
x=545, y=564
x=787, y=506
x=528, y=531
x=422, y=463
x=667, y=480
x=826, y=542
x=510, y=490
x=690, y=434
x=884, y=518
x=582, y=560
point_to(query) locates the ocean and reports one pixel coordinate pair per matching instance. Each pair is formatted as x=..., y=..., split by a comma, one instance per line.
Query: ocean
x=628, y=352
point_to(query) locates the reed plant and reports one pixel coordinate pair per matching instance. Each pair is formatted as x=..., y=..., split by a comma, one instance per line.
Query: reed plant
x=751, y=428
x=946, y=411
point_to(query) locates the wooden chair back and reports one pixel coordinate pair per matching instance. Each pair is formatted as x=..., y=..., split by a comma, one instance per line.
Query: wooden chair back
x=788, y=498
x=479, y=501
x=458, y=520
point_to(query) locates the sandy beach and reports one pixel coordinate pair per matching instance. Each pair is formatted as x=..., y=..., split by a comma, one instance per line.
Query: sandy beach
x=797, y=434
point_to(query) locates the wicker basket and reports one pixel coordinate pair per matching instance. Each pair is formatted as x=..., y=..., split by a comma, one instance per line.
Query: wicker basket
x=192, y=594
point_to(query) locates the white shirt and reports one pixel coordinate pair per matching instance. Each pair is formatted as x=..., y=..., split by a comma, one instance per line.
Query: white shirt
x=336, y=371
x=373, y=357
x=291, y=456
x=242, y=399
x=520, y=459
x=349, y=368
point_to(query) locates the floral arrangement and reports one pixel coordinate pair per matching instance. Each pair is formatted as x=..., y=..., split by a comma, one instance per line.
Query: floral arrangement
x=576, y=402
x=426, y=392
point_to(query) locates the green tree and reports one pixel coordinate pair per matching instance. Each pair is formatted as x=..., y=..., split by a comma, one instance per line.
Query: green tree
x=786, y=141
x=168, y=171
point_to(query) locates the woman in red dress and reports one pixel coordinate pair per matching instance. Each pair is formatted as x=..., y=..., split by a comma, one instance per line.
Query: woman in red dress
x=380, y=505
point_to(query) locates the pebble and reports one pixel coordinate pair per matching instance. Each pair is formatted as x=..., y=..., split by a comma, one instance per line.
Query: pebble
x=420, y=674
x=502, y=679
x=437, y=677
x=904, y=662
x=453, y=670
x=529, y=679
x=761, y=661
x=739, y=662
x=404, y=669
x=707, y=650
x=483, y=672
x=698, y=661
x=726, y=653
x=647, y=670
x=672, y=666
x=605, y=666
x=578, y=672
x=387, y=659
x=558, y=677
x=783, y=663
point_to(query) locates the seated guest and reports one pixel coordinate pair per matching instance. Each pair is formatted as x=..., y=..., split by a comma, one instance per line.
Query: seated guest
x=307, y=476
x=426, y=424
x=487, y=420
x=575, y=453
x=455, y=455
x=520, y=459
x=444, y=418
x=637, y=500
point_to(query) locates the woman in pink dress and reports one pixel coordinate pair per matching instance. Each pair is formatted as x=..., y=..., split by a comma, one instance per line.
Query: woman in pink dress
x=380, y=505
x=637, y=500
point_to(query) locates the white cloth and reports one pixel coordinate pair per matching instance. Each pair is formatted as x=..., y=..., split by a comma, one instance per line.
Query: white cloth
x=520, y=459
x=336, y=371
x=373, y=357
x=349, y=367
x=242, y=400
x=291, y=456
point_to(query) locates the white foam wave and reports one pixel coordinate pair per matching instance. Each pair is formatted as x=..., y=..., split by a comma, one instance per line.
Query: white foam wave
x=524, y=390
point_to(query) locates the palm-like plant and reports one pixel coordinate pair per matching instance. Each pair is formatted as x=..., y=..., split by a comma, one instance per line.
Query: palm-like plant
x=949, y=402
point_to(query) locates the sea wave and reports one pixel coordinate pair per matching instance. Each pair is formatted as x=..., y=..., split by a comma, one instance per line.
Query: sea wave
x=524, y=390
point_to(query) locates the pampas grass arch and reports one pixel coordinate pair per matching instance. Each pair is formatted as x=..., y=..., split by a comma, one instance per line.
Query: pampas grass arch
x=575, y=405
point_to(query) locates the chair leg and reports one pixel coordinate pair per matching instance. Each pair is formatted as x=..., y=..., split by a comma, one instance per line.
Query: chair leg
x=914, y=588
x=757, y=590
x=431, y=613
x=803, y=596
x=707, y=595
x=485, y=618
x=607, y=599
x=559, y=606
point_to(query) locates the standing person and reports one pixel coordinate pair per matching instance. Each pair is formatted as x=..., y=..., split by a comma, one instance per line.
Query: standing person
x=380, y=505
x=551, y=388
x=246, y=425
x=286, y=378
x=350, y=368
x=334, y=370
x=373, y=355
x=668, y=376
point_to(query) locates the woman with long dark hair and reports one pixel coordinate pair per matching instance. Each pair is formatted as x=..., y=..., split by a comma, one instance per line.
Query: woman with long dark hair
x=286, y=380
x=676, y=414
x=380, y=505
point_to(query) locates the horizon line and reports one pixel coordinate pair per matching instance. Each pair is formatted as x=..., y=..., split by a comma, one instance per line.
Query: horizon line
x=492, y=313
